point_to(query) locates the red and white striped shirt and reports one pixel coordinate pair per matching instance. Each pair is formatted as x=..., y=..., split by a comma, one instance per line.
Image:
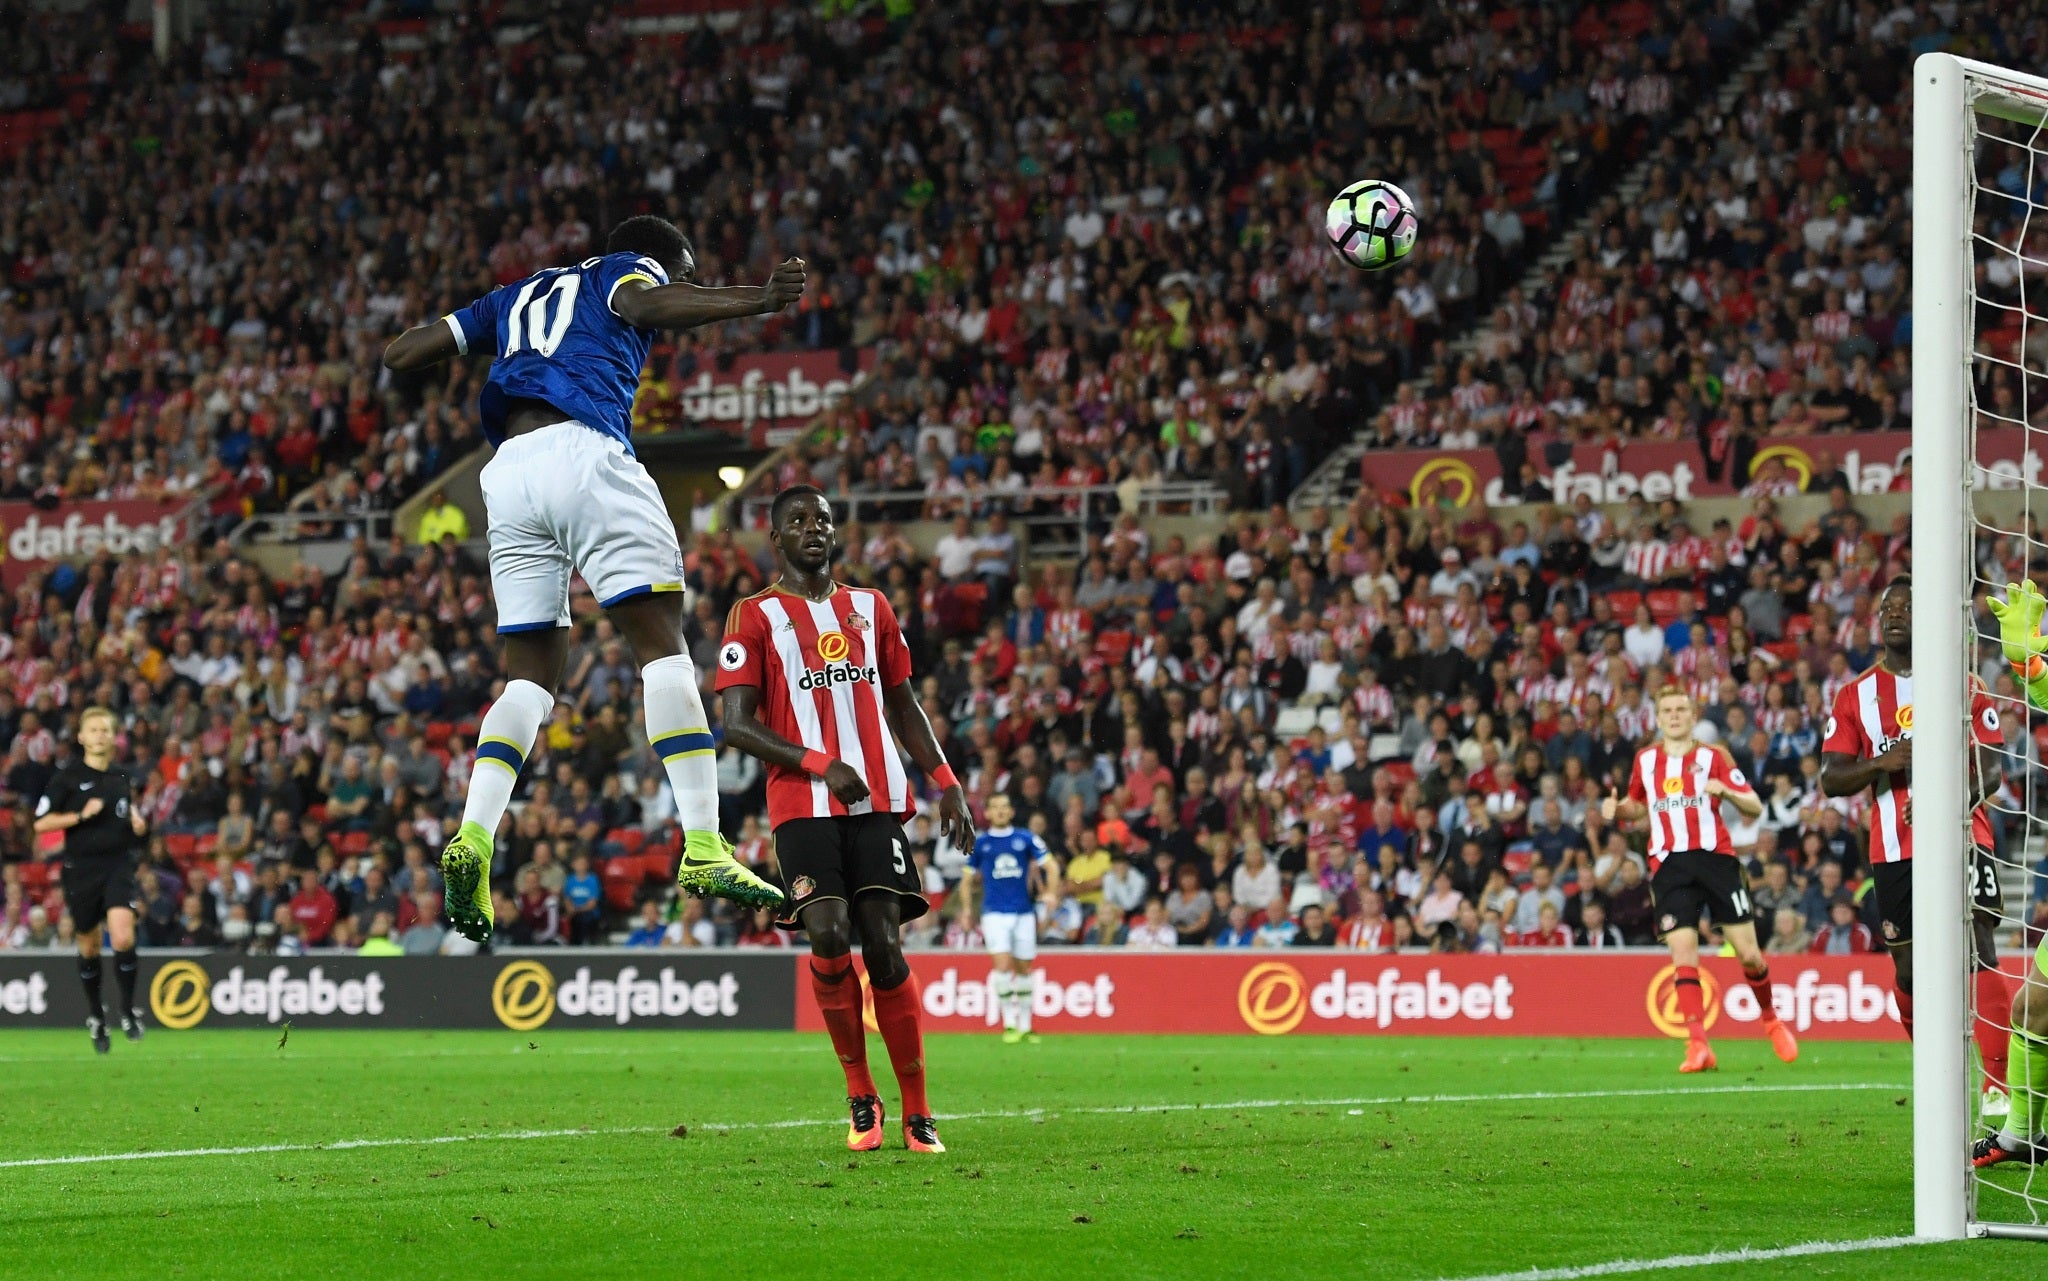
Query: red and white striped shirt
x=1833, y=326
x=1682, y=814
x=821, y=667
x=1367, y=936
x=1875, y=711
x=1375, y=704
x=1647, y=560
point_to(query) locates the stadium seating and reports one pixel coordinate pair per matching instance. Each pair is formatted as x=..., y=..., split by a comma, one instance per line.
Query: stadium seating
x=965, y=232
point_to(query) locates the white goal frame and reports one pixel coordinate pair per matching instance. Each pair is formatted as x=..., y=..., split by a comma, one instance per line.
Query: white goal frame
x=1949, y=94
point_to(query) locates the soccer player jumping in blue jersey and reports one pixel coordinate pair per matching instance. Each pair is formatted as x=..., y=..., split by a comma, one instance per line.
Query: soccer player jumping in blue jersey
x=1004, y=859
x=564, y=492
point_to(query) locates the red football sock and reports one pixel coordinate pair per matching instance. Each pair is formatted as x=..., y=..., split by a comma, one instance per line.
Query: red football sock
x=899, y=1012
x=1691, y=1004
x=1906, y=1012
x=1992, y=1024
x=1760, y=986
x=837, y=988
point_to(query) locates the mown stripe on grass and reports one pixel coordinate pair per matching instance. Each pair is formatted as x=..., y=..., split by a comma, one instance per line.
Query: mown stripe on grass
x=1024, y=1114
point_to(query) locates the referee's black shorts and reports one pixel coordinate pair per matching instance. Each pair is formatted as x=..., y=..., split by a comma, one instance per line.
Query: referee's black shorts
x=93, y=884
x=1692, y=883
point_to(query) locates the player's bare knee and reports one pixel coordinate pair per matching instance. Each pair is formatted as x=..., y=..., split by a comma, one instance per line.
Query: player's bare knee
x=652, y=625
x=540, y=657
x=885, y=965
x=829, y=929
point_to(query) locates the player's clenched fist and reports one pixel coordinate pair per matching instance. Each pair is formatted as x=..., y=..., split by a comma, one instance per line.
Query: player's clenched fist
x=2019, y=622
x=786, y=285
x=845, y=783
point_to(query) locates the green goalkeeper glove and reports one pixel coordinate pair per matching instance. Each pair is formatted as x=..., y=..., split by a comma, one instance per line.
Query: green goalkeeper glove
x=2019, y=622
x=2019, y=635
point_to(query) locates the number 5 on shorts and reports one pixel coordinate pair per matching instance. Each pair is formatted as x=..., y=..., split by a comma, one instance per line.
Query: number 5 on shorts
x=896, y=853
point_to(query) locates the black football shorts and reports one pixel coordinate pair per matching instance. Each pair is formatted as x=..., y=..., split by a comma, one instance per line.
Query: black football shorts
x=843, y=857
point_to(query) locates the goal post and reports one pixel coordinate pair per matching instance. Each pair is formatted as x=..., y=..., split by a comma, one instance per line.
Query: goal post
x=1962, y=110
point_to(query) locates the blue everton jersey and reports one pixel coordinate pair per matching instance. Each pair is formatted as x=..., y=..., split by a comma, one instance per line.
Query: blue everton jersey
x=556, y=339
x=1004, y=859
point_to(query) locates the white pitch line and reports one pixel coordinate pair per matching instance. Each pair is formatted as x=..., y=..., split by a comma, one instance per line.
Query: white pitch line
x=1622, y=1267
x=1024, y=1114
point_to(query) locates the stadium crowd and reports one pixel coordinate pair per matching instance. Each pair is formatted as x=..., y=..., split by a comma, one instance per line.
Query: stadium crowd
x=1368, y=727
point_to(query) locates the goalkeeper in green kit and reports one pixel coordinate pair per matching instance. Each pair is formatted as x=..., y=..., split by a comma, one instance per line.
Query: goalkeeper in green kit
x=2019, y=626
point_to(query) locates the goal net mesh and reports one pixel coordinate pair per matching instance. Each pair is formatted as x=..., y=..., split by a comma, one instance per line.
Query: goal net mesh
x=2008, y=402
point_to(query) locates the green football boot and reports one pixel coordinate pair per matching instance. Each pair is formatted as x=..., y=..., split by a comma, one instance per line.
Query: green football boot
x=708, y=868
x=466, y=868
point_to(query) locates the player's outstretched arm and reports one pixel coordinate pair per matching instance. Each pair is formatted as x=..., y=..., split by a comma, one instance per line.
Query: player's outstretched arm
x=907, y=721
x=684, y=305
x=421, y=347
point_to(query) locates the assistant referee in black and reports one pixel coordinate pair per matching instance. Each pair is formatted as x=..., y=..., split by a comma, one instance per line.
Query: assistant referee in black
x=93, y=805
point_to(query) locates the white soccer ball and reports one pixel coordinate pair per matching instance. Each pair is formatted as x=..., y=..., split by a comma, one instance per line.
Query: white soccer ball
x=1372, y=224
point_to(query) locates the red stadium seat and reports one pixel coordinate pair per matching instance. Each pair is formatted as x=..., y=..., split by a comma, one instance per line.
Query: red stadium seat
x=1114, y=647
x=438, y=733
x=621, y=882
x=36, y=874
x=658, y=864
x=1783, y=651
x=353, y=843
x=1516, y=862
x=1798, y=627
x=1663, y=604
x=1624, y=604
x=318, y=813
x=1400, y=773
x=180, y=845
x=208, y=844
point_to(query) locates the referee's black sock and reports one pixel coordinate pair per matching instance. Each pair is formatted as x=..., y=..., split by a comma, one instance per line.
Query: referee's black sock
x=89, y=976
x=125, y=966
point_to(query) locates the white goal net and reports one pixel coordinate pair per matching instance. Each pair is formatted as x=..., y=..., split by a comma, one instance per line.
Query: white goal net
x=1980, y=408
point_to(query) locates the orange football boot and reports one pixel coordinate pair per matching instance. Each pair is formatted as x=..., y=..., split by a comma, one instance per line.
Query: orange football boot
x=865, y=1133
x=921, y=1134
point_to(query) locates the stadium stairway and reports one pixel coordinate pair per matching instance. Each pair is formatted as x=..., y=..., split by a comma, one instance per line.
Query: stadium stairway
x=1333, y=482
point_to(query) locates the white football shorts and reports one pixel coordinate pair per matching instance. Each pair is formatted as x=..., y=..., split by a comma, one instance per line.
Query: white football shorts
x=568, y=497
x=1014, y=933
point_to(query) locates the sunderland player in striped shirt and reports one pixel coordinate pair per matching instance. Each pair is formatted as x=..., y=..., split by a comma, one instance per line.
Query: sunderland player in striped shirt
x=1678, y=784
x=565, y=493
x=814, y=680
x=1869, y=744
x=2021, y=1137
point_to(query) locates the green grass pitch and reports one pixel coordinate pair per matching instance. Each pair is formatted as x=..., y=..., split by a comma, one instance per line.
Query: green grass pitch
x=1310, y=1157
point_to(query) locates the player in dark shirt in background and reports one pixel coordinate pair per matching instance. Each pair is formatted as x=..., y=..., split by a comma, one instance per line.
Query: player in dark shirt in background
x=93, y=805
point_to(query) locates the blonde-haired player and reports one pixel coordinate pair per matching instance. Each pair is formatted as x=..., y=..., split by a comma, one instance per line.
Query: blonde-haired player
x=1678, y=784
